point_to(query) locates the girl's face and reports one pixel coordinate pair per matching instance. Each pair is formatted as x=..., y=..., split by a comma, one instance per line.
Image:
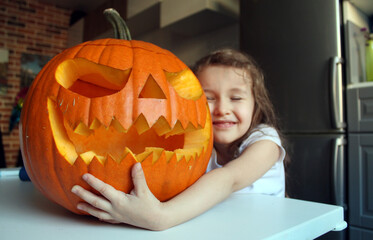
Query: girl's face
x=230, y=100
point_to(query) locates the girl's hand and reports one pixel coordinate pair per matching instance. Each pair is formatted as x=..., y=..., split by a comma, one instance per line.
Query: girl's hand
x=139, y=208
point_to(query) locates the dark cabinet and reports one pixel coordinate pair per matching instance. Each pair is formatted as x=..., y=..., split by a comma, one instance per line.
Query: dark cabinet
x=360, y=234
x=360, y=167
x=360, y=108
x=360, y=160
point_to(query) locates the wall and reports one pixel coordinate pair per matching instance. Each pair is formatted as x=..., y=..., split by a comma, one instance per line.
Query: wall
x=26, y=26
x=191, y=48
x=353, y=14
x=205, y=29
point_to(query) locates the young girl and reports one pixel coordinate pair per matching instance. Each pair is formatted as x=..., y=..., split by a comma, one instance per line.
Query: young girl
x=247, y=157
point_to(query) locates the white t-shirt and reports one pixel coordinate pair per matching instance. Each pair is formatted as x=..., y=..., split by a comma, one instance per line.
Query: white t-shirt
x=273, y=181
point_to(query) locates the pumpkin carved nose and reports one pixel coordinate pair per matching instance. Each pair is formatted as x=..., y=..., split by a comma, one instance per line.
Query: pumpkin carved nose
x=90, y=79
x=151, y=89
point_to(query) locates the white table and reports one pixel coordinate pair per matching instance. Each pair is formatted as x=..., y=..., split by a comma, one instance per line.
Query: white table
x=26, y=214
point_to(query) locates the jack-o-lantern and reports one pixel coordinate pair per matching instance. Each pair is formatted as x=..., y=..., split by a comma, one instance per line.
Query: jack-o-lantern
x=104, y=105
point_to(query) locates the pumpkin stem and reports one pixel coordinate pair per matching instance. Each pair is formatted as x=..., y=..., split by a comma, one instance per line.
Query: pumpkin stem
x=121, y=30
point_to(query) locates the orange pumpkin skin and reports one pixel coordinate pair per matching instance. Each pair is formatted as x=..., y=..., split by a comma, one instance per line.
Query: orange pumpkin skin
x=167, y=174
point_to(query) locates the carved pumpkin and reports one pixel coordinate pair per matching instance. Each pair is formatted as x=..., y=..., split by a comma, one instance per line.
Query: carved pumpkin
x=104, y=105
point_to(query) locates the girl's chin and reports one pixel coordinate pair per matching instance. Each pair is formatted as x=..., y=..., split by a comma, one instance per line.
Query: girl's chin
x=223, y=141
x=225, y=138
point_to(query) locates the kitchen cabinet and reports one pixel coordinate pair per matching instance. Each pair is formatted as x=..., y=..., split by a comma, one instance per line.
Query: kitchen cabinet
x=361, y=185
x=359, y=96
x=360, y=234
x=360, y=160
x=360, y=106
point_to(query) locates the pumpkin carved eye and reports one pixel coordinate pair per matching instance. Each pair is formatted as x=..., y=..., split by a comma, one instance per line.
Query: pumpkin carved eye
x=90, y=79
x=185, y=84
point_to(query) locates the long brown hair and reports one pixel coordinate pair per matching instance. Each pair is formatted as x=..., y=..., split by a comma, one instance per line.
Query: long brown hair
x=263, y=111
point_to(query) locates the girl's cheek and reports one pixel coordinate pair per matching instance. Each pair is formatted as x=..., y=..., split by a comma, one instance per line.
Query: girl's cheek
x=211, y=107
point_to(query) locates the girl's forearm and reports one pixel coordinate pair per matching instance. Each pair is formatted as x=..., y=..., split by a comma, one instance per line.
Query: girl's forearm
x=209, y=190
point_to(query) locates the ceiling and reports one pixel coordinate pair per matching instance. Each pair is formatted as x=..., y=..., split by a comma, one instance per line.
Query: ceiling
x=76, y=5
x=88, y=5
x=366, y=6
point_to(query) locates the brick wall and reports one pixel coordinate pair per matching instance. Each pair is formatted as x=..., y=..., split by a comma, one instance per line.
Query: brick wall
x=31, y=27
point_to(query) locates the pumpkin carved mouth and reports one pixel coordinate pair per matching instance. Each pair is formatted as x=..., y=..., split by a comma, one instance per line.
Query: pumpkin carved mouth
x=142, y=137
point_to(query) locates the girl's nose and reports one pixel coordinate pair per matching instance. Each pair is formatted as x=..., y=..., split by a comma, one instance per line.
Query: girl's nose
x=221, y=108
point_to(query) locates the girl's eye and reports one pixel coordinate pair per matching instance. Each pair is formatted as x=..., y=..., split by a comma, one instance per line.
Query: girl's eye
x=236, y=98
x=210, y=98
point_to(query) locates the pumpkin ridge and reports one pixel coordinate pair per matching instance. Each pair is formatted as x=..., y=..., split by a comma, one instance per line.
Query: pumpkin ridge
x=161, y=53
x=102, y=51
x=79, y=48
x=59, y=181
x=169, y=54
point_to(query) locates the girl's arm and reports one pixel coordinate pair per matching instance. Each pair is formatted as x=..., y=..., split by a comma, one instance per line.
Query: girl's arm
x=140, y=207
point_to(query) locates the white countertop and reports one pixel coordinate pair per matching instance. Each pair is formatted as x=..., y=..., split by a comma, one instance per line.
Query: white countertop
x=26, y=214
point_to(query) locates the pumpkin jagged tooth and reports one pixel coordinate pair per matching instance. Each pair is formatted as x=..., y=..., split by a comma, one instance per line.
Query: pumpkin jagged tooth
x=95, y=124
x=78, y=161
x=142, y=156
x=101, y=159
x=179, y=156
x=83, y=129
x=111, y=157
x=161, y=126
x=177, y=129
x=169, y=155
x=141, y=124
x=116, y=124
x=190, y=128
x=197, y=150
x=189, y=153
x=157, y=152
x=186, y=153
x=126, y=152
x=89, y=155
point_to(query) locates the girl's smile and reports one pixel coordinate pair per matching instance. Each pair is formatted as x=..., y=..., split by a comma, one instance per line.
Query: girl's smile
x=223, y=124
x=231, y=102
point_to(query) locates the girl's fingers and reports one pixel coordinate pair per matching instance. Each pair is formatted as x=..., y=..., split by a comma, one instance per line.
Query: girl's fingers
x=138, y=178
x=92, y=199
x=105, y=189
x=102, y=215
